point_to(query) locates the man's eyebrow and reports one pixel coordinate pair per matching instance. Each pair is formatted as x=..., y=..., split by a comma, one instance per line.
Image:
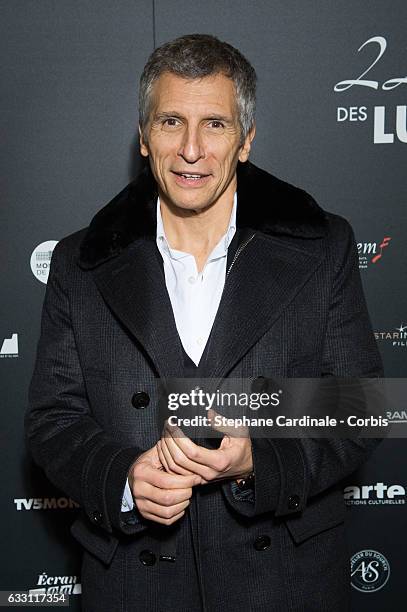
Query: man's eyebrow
x=177, y=115
x=215, y=117
x=164, y=114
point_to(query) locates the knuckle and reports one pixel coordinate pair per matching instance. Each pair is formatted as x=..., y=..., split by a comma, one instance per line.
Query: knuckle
x=193, y=453
x=167, y=498
x=172, y=464
x=222, y=464
x=138, y=470
x=208, y=474
x=167, y=512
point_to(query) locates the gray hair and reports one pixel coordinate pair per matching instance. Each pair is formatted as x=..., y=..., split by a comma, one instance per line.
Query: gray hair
x=195, y=56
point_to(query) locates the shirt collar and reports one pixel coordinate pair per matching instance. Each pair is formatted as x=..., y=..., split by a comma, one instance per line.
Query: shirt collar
x=220, y=249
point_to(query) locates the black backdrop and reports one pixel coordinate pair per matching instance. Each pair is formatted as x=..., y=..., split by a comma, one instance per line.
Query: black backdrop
x=70, y=71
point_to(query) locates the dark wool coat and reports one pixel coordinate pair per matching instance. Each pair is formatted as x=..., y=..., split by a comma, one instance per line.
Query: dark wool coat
x=292, y=306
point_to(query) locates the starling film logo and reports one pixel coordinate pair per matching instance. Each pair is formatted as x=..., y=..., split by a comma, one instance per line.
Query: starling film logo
x=396, y=337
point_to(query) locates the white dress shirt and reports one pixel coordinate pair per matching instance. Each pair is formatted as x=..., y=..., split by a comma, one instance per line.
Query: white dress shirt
x=194, y=296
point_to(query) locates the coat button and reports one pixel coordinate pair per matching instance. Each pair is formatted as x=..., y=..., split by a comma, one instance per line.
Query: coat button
x=262, y=542
x=97, y=516
x=259, y=384
x=293, y=502
x=141, y=399
x=147, y=557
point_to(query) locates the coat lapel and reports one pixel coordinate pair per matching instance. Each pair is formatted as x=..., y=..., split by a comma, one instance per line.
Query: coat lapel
x=133, y=286
x=265, y=278
x=119, y=249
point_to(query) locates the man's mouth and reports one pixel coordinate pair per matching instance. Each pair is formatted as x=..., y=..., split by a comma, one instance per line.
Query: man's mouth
x=191, y=175
x=190, y=178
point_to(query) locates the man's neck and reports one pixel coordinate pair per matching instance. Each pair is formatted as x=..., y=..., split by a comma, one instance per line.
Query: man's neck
x=197, y=232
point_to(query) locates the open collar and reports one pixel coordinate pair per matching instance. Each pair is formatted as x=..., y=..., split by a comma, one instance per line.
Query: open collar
x=265, y=203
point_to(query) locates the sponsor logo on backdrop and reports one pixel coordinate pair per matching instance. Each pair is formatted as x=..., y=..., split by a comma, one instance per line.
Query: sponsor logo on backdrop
x=396, y=416
x=397, y=336
x=378, y=494
x=9, y=348
x=387, y=123
x=370, y=571
x=45, y=503
x=60, y=585
x=371, y=253
x=41, y=259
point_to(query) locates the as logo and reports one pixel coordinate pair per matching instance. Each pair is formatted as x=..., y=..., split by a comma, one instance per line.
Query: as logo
x=370, y=571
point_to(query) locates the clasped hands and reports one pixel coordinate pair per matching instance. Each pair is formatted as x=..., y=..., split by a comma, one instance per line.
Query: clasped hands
x=162, y=478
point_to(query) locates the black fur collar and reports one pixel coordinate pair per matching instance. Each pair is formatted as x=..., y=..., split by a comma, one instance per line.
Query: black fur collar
x=265, y=203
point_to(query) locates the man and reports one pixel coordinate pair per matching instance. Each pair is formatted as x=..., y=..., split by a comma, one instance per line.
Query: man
x=205, y=266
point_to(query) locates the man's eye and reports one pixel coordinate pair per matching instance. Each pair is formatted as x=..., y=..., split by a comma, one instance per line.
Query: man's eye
x=171, y=122
x=216, y=124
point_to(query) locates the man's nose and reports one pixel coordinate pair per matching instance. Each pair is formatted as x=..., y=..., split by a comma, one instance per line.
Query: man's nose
x=191, y=148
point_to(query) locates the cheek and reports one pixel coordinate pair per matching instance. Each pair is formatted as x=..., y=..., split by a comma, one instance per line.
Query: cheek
x=162, y=145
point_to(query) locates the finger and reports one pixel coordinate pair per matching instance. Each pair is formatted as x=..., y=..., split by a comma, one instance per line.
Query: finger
x=162, y=521
x=163, y=480
x=236, y=432
x=172, y=465
x=214, y=459
x=180, y=459
x=166, y=512
x=164, y=497
x=162, y=456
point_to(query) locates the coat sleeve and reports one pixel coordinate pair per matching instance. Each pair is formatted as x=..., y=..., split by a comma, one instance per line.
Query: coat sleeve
x=63, y=437
x=289, y=472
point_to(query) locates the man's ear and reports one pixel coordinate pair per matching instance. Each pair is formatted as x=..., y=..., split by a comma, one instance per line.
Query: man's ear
x=143, y=145
x=246, y=146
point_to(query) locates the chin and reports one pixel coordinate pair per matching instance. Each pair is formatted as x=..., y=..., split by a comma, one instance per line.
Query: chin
x=190, y=205
x=194, y=202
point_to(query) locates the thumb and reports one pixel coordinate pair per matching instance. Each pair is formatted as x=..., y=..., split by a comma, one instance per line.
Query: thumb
x=235, y=432
x=226, y=442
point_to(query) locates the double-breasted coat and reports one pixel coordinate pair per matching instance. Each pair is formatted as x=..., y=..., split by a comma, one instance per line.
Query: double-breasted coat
x=292, y=306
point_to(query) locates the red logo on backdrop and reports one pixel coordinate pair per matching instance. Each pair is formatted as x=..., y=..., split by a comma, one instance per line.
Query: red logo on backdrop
x=372, y=252
x=382, y=245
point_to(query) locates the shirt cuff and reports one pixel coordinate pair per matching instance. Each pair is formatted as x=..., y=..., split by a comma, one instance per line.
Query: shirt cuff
x=127, y=501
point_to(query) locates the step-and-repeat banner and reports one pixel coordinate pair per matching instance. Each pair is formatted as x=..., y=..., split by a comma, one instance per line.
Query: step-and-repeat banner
x=332, y=106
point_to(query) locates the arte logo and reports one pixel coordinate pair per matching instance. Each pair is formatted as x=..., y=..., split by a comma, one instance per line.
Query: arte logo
x=9, y=348
x=370, y=571
x=45, y=503
x=397, y=337
x=389, y=123
x=41, y=259
x=59, y=585
x=377, y=494
x=371, y=252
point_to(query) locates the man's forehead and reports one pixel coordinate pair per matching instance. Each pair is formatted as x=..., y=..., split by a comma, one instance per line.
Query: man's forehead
x=216, y=91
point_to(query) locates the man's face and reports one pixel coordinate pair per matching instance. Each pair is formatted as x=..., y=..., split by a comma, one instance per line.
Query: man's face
x=193, y=140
